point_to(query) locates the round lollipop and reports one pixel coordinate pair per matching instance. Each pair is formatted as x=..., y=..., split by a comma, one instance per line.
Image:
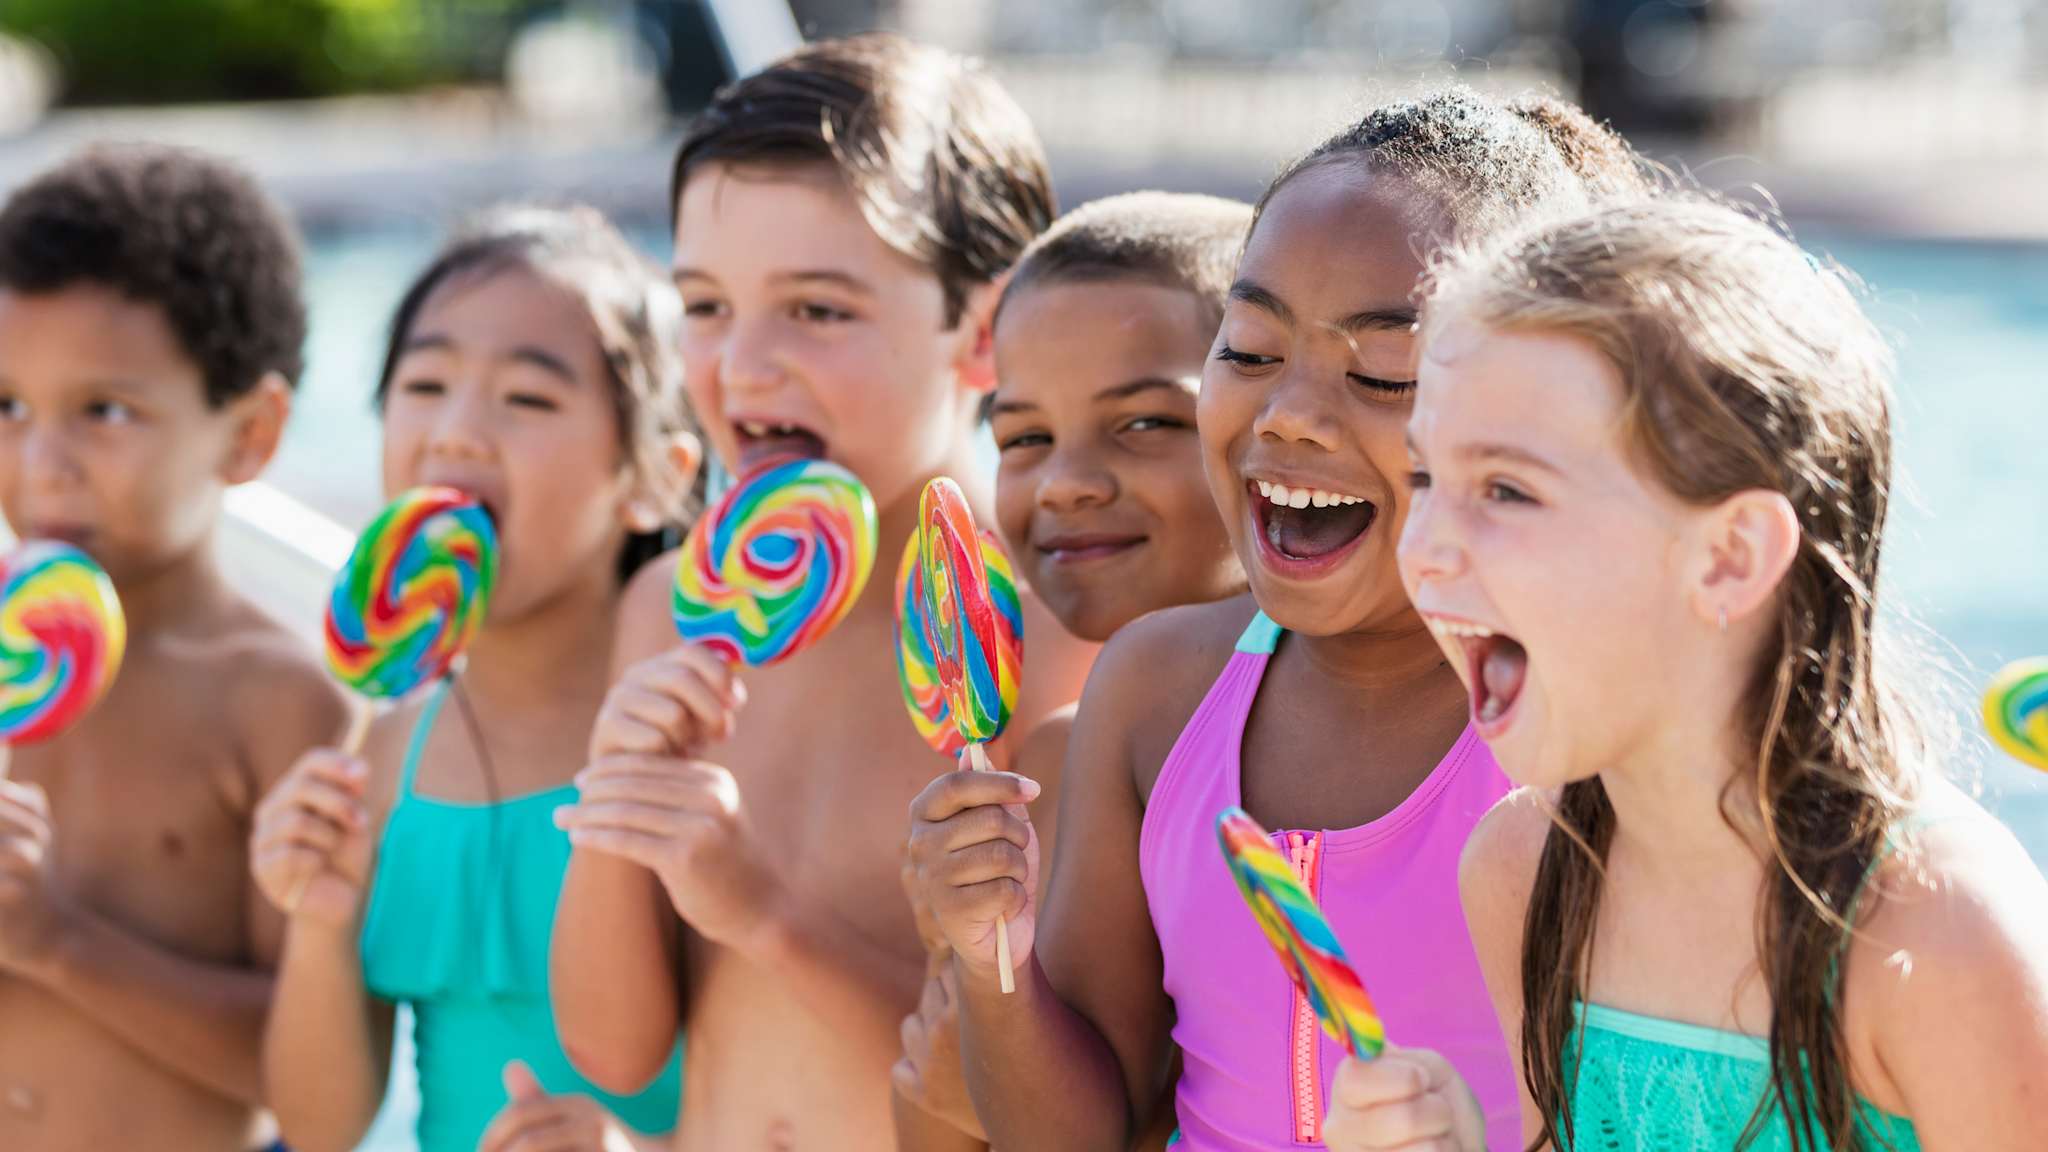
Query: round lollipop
x=413, y=593
x=1300, y=934
x=777, y=562
x=61, y=639
x=979, y=683
x=2016, y=711
x=916, y=667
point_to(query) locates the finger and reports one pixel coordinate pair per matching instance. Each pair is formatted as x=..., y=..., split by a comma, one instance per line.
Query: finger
x=966, y=829
x=27, y=823
x=712, y=784
x=981, y=863
x=25, y=797
x=956, y=792
x=677, y=699
x=700, y=662
x=686, y=791
x=911, y=1035
x=647, y=819
x=304, y=830
x=331, y=765
x=343, y=806
x=1396, y=1075
x=625, y=734
x=904, y=1078
x=519, y=1125
x=932, y=999
x=520, y=1083
x=1401, y=1122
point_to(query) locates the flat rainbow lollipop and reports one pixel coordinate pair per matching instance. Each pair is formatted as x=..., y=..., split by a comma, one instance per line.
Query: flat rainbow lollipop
x=61, y=639
x=413, y=593
x=777, y=562
x=1300, y=934
x=917, y=669
x=2016, y=711
x=980, y=686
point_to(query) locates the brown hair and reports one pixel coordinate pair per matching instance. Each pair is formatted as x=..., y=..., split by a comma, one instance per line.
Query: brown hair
x=1746, y=365
x=946, y=167
x=638, y=317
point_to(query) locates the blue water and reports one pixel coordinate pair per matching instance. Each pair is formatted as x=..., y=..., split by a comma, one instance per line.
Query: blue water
x=1968, y=551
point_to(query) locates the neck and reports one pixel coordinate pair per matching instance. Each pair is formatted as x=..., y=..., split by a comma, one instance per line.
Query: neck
x=189, y=587
x=558, y=651
x=1369, y=662
x=1685, y=804
x=895, y=523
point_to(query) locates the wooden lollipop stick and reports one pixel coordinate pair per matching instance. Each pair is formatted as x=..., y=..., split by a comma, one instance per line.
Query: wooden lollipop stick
x=977, y=759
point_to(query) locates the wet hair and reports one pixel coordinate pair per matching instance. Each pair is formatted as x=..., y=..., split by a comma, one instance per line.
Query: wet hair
x=638, y=318
x=946, y=168
x=1745, y=365
x=185, y=232
x=1170, y=239
x=1482, y=164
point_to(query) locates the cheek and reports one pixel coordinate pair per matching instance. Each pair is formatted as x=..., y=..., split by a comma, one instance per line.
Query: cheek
x=1015, y=495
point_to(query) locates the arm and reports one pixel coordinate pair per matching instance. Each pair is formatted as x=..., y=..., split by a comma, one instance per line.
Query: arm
x=616, y=961
x=1080, y=1049
x=327, y=1050
x=1952, y=967
x=1495, y=876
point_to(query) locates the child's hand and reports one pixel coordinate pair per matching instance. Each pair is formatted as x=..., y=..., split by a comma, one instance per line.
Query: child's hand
x=310, y=850
x=677, y=702
x=928, y=932
x=681, y=820
x=533, y=1121
x=31, y=916
x=976, y=856
x=929, y=1073
x=1408, y=1098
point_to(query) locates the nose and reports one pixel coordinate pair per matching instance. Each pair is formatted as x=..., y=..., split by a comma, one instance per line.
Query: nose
x=49, y=461
x=461, y=427
x=1298, y=410
x=747, y=363
x=1074, y=479
x=1432, y=544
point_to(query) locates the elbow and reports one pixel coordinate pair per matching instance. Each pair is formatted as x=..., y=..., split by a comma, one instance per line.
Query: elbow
x=612, y=1067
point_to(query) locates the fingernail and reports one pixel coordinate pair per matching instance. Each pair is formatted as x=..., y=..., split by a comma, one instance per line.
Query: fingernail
x=1031, y=788
x=356, y=768
x=562, y=819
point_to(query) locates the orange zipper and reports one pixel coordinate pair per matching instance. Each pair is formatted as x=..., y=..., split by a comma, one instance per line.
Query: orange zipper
x=1307, y=1076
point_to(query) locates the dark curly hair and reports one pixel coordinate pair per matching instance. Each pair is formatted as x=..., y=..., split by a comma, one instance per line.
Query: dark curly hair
x=178, y=229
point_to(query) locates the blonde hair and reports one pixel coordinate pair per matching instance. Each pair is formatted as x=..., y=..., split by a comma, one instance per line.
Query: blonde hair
x=1745, y=365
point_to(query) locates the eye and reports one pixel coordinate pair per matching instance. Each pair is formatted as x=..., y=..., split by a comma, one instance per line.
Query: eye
x=1024, y=440
x=1153, y=424
x=532, y=400
x=423, y=387
x=1418, y=479
x=13, y=408
x=814, y=313
x=703, y=309
x=1502, y=492
x=110, y=412
x=1383, y=387
x=1246, y=359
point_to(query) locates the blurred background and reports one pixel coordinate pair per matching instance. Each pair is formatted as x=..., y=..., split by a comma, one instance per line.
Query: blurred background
x=1906, y=138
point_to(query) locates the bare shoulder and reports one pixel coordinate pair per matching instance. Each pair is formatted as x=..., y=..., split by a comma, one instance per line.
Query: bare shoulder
x=1948, y=966
x=1044, y=748
x=644, y=627
x=1497, y=869
x=279, y=696
x=1153, y=674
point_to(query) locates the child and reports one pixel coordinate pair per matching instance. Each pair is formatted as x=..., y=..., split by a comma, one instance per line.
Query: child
x=841, y=219
x=1099, y=342
x=1754, y=917
x=532, y=364
x=150, y=336
x=1146, y=940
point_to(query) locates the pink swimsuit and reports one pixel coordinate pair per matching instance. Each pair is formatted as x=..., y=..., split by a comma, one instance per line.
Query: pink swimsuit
x=1256, y=1068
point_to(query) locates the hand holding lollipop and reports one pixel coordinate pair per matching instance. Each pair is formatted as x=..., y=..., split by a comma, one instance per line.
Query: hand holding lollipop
x=976, y=672
x=1300, y=934
x=2016, y=711
x=62, y=636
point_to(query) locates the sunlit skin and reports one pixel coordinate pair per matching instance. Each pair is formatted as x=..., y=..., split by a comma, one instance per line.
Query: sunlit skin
x=1643, y=619
x=135, y=955
x=1100, y=491
x=500, y=389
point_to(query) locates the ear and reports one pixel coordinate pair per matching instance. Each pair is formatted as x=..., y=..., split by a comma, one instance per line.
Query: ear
x=259, y=417
x=642, y=513
x=975, y=359
x=1748, y=544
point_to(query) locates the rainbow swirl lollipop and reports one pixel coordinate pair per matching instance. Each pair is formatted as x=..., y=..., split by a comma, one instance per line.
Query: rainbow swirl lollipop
x=979, y=683
x=2016, y=711
x=61, y=639
x=917, y=669
x=413, y=594
x=777, y=563
x=1301, y=935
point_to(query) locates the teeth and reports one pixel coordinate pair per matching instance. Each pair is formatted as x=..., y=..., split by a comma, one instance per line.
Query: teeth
x=753, y=428
x=1443, y=627
x=1282, y=496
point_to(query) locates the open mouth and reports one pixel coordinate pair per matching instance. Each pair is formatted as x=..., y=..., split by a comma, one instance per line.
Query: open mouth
x=763, y=440
x=1309, y=525
x=1496, y=665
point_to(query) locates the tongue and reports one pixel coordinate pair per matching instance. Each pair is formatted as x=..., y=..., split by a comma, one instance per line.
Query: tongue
x=757, y=450
x=1500, y=674
x=1306, y=533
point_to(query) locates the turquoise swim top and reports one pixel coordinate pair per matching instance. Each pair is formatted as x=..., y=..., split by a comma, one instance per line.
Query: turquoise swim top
x=1647, y=1083
x=460, y=913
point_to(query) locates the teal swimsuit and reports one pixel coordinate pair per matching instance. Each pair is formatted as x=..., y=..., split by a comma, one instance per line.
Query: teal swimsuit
x=458, y=927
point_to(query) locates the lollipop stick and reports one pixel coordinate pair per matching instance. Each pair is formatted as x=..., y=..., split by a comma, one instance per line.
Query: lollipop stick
x=977, y=760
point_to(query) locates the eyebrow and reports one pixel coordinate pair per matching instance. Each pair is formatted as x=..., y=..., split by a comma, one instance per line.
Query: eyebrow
x=528, y=354
x=1397, y=318
x=846, y=281
x=1510, y=454
x=1121, y=391
x=1249, y=292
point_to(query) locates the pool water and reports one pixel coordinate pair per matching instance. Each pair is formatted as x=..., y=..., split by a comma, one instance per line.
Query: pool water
x=1968, y=549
